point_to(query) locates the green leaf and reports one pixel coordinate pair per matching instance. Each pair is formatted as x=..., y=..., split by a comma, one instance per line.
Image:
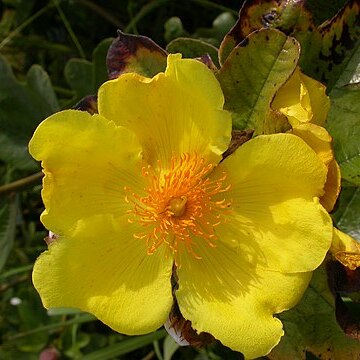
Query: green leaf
x=211, y=35
x=135, y=53
x=193, y=48
x=346, y=216
x=258, y=14
x=61, y=311
x=252, y=74
x=8, y=214
x=22, y=107
x=322, y=10
x=343, y=124
x=220, y=27
x=15, y=271
x=84, y=76
x=39, y=85
x=31, y=315
x=351, y=72
x=331, y=53
x=125, y=346
x=79, y=75
x=174, y=29
x=312, y=327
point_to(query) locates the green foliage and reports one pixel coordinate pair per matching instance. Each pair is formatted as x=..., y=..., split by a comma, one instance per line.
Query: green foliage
x=71, y=41
x=323, y=10
x=22, y=107
x=130, y=53
x=289, y=17
x=85, y=77
x=346, y=216
x=170, y=347
x=329, y=52
x=193, y=48
x=221, y=25
x=256, y=69
x=8, y=214
x=125, y=346
x=174, y=29
x=312, y=326
x=344, y=125
x=332, y=51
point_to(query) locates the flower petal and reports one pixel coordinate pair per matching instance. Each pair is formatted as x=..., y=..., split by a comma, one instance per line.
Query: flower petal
x=235, y=300
x=275, y=181
x=86, y=166
x=321, y=142
x=110, y=276
x=292, y=99
x=332, y=186
x=318, y=139
x=302, y=99
x=174, y=112
x=346, y=249
x=320, y=102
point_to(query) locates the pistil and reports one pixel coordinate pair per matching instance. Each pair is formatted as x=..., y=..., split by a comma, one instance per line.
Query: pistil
x=177, y=206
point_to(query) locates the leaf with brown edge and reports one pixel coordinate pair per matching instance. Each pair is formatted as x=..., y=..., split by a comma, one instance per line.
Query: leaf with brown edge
x=287, y=16
x=312, y=327
x=135, y=53
x=329, y=53
x=251, y=76
x=333, y=55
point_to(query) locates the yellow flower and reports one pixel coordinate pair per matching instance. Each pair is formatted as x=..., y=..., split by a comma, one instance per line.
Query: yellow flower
x=302, y=99
x=139, y=195
x=321, y=142
x=304, y=102
x=345, y=249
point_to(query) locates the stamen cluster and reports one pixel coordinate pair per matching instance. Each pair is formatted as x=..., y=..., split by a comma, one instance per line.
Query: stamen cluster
x=180, y=204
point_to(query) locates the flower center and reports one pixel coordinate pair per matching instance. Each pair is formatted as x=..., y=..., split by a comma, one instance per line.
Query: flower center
x=181, y=204
x=178, y=206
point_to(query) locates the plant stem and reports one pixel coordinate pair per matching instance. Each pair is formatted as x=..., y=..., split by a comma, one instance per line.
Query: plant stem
x=143, y=12
x=25, y=24
x=16, y=271
x=70, y=30
x=18, y=184
x=77, y=320
x=102, y=12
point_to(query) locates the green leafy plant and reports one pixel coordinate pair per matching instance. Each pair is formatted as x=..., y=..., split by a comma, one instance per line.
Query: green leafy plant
x=253, y=56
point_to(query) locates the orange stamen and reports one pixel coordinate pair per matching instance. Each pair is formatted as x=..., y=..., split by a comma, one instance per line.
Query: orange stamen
x=179, y=204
